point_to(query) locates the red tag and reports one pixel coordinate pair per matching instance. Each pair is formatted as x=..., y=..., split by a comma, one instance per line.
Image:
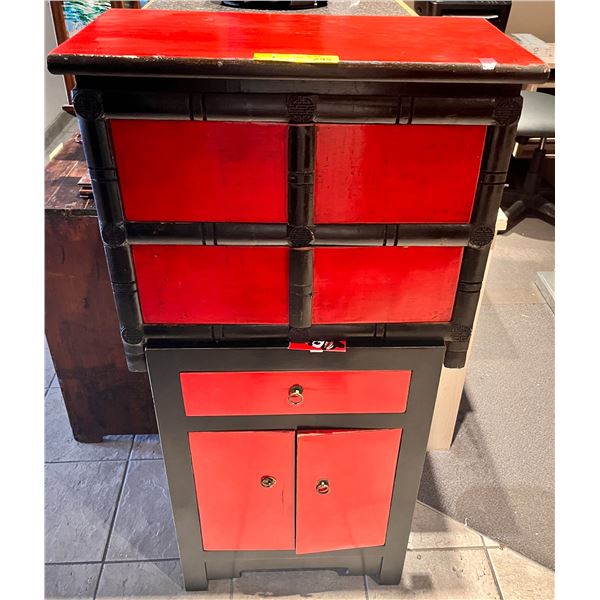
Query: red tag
x=319, y=346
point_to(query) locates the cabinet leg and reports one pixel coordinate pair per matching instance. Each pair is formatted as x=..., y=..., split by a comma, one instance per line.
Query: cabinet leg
x=195, y=575
x=197, y=581
x=197, y=587
x=88, y=438
x=389, y=578
x=391, y=570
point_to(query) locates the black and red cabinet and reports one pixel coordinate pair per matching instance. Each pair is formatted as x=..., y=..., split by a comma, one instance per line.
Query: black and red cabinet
x=281, y=459
x=245, y=203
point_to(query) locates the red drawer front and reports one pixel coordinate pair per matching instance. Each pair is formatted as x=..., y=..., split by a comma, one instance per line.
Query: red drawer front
x=249, y=285
x=359, y=467
x=268, y=393
x=397, y=174
x=236, y=511
x=212, y=284
x=385, y=285
x=202, y=171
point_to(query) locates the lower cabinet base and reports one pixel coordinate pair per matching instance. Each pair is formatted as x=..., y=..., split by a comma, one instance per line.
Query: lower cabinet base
x=343, y=565
x=322, y=484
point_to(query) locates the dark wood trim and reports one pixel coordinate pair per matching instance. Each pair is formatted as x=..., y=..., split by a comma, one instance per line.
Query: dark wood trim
x=242, y=68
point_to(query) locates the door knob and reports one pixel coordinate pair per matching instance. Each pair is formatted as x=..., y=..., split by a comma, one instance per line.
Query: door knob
x=295, y=394
x=323, y=486
x=267, y=481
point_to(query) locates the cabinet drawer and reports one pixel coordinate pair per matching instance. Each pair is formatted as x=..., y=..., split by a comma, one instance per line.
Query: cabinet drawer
x=202, y=171
x=385, y=285
x=396, y=174
x=299, y=392
x=212, y=284
x=249, y=285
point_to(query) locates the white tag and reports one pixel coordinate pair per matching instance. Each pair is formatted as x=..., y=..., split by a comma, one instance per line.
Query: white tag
x=488, y=64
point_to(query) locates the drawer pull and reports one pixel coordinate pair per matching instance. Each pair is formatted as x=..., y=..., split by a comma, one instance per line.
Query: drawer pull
x=267, y=481
x=295, y=395
x=323, y=486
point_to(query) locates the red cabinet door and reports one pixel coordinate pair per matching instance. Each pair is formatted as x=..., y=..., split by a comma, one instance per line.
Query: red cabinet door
x=212, y=284
x=301, y=392
x=385, y=285
x=344, y=485
x=240, y=507
x=396, y=174
x=202, y=171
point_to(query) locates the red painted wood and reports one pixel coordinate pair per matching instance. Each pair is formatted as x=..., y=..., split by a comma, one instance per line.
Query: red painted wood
x=266, y=393
x=212, y=284
x=202, y=171
x=209, y=35
x=360, y=466
x=390, y=174
x=385, y=285
x=236, y=511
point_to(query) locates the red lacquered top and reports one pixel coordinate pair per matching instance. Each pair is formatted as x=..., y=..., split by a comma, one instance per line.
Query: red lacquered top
x=171, y=43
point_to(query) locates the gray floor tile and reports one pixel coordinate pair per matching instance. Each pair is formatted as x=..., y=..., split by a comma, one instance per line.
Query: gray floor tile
x=299, y=584
x=80, y=502
x=517, y=256
x=71, y=581
x=146, y=446
x=499, y=472
x=153, y=581
x=143, y=526
x=61, y=446
x=48, y=365
x=441, y=575
x=432, y=529
x=521, y=578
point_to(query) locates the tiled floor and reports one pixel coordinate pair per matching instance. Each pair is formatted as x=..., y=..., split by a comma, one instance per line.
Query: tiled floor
x=110, y=534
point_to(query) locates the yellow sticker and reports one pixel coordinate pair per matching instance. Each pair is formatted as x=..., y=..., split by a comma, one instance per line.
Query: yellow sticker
x=297, y=58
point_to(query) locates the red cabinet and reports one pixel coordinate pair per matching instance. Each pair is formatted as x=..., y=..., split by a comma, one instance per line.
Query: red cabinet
x=243, y=203
x=201, y=170
x=302, y=392
x=245, y=488
x=391, y=174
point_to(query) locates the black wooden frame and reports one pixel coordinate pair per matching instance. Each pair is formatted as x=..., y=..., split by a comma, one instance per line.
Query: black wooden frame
x=301, y=104
x=383, y=563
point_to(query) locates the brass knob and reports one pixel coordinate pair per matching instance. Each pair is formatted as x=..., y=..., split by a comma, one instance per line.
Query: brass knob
x=323, y=486
x=267, y=481
x=295, y=395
